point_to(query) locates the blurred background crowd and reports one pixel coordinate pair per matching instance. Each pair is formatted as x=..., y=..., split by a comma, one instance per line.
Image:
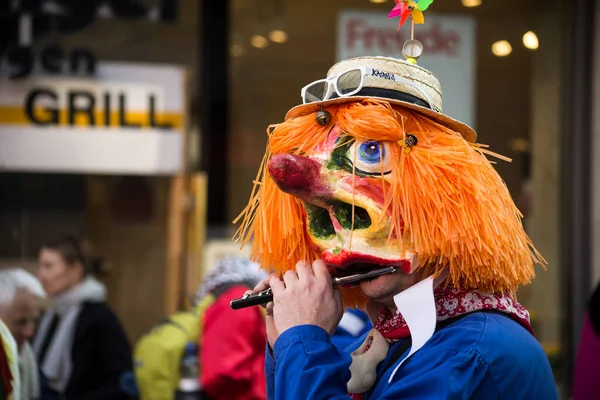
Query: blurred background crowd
x=131, y=132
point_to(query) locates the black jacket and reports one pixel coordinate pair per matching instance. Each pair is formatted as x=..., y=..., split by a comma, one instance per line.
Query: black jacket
x=101, y=356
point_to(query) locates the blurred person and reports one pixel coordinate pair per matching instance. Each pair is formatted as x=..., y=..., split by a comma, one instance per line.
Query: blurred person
x=586, y=377
x=232, y=343
x=81, y=347
x=20, y=302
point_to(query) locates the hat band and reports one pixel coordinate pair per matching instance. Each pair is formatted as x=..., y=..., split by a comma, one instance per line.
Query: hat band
x=388, y=94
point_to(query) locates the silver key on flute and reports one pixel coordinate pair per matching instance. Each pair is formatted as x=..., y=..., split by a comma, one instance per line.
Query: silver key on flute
x=266, y=296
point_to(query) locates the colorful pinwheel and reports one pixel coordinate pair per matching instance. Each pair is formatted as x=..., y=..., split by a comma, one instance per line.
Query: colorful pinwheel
x=412, y=8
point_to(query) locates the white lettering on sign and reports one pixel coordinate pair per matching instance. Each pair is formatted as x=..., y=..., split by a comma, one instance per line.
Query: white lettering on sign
x=448, y=50
x=365, y=37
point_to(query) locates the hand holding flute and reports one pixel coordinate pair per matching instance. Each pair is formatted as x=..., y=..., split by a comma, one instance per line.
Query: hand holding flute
x=306, y=296
x=263, y=294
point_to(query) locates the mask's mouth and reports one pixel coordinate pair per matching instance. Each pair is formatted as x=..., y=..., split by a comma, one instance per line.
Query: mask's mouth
x=355, y=269
x=349, y=263
x=324, y=222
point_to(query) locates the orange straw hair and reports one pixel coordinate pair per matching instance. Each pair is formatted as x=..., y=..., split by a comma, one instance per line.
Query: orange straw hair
x=457, y=212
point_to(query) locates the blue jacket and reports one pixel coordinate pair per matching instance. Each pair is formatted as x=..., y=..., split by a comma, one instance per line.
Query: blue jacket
x=354, y=324
x=481, y=356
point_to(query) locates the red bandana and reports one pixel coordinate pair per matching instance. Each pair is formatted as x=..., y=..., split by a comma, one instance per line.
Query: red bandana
x=450, y=303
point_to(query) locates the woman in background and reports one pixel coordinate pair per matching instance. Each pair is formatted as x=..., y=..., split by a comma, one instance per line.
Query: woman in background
x=81, y=347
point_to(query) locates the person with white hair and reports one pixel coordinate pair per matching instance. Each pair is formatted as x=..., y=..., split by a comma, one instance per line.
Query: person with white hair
x=20, y=297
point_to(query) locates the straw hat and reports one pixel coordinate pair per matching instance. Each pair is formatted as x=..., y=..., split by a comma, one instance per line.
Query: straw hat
x=418, y=89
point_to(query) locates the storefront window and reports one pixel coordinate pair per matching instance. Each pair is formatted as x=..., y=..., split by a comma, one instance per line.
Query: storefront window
x=33, y=208
x=77, y=145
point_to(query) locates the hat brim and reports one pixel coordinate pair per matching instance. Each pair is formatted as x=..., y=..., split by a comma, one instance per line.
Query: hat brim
x=466, y=131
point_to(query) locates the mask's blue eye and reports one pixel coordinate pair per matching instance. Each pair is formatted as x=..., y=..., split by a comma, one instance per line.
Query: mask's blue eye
x=371, y=158
x=371, y=152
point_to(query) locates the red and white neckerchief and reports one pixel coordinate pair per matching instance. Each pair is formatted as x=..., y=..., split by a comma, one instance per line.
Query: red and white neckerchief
x=451, y=302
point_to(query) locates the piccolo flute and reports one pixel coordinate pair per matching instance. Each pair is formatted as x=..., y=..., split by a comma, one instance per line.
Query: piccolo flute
x=266, y=296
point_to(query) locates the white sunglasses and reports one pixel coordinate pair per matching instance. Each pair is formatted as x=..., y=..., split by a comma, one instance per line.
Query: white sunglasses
x=349, y=83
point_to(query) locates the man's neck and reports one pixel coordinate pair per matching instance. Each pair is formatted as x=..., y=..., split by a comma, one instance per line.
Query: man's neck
x=391, y=305
x=374, y=308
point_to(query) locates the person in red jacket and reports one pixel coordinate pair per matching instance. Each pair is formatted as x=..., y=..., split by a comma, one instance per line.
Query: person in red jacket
x=232, y=343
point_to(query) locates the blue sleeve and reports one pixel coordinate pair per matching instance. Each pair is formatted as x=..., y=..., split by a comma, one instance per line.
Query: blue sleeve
x=447, y=375
x=306, y=365
x=270, y=372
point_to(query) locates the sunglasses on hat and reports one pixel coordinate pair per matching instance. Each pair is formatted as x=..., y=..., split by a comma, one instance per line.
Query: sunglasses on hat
x=349, y=83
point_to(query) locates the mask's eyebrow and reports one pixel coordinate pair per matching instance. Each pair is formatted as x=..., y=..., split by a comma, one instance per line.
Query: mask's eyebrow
x=344, y=140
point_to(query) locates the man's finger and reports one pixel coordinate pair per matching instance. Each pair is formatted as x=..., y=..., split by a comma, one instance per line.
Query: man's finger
x=290, y=277
x=263, y=285
x=304, y=269
x=270, y=324
x=269, y=309
x=277, y=285
x=337, y=294
x=320, y=269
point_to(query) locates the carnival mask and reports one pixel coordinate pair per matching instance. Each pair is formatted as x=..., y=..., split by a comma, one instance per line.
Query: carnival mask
x=380, y=176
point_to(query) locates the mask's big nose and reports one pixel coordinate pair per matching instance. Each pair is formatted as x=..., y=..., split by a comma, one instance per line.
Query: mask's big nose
x=296, y=175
